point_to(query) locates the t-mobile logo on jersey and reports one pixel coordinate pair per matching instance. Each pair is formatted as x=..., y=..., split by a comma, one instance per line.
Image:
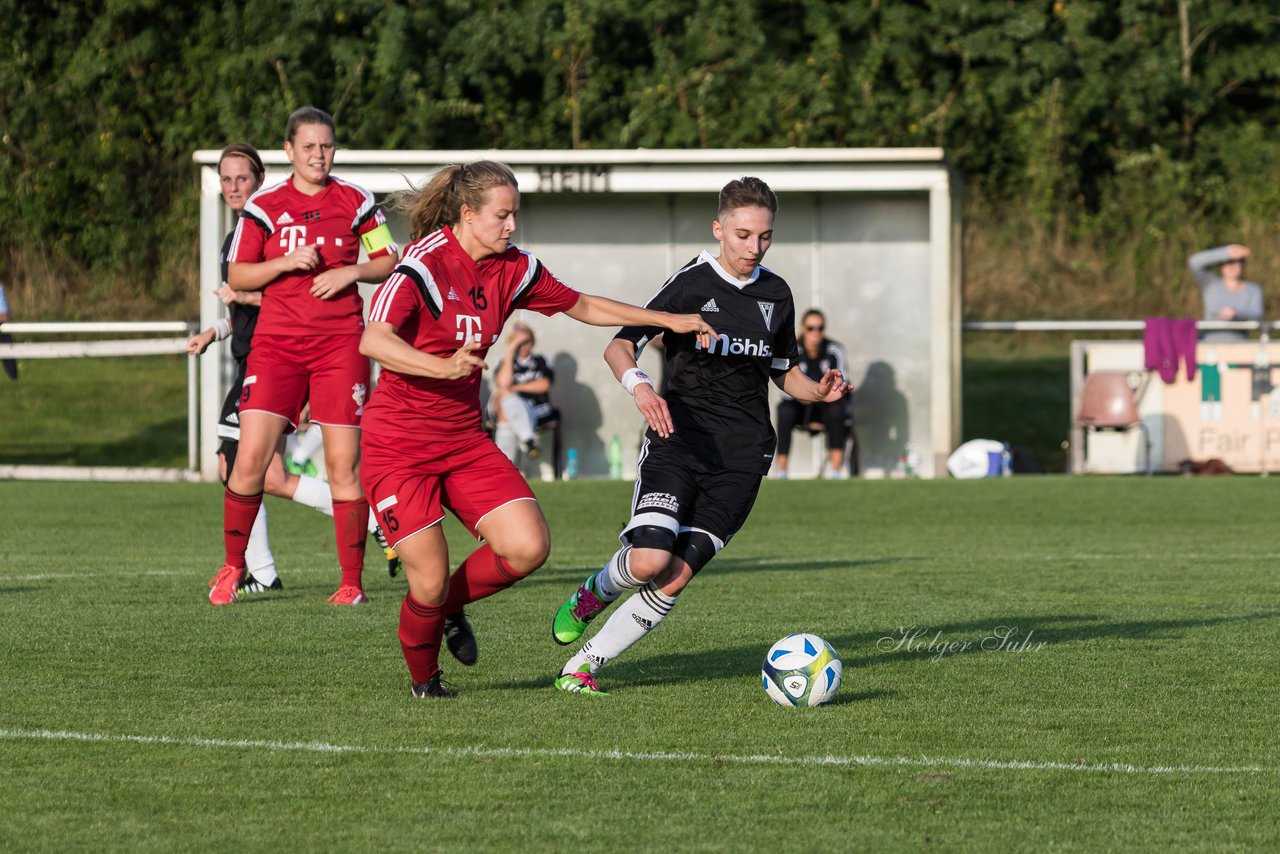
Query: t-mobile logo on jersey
x=293, y=236
x=472, y=331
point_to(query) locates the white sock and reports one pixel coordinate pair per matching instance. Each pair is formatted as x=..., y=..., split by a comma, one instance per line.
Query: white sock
x=314, y=492
x=306, y=444
x=257, y=555
x=505, y=438
x=616, y=578
x=518, y=416
x=634, y=619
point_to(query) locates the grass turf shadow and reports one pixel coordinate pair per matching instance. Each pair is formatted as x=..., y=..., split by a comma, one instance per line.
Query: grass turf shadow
x=159, y=444
x=558, y=575
x=1052, y=629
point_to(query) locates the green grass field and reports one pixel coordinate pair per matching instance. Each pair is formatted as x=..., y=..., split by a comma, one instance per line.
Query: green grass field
x=129, y=411
x=1139, y=713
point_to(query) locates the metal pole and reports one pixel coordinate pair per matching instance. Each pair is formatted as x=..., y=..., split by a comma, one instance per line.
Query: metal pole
x=1076, y=459
x=1264, y=399
x=193, y=413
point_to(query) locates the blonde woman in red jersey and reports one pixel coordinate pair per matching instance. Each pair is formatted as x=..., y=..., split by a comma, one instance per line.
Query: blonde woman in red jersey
x=423, y=448
x=299, y=242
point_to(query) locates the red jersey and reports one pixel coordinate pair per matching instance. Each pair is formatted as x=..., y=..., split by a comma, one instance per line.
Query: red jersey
x=435, y=299
x=279, y=219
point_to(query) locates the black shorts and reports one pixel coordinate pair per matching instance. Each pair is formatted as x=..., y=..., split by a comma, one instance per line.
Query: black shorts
x=229, y=420
x=672, y=492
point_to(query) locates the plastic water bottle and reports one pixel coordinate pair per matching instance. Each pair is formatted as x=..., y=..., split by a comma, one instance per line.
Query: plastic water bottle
x=615, y=458
x=1006, y=462
x=571, y=464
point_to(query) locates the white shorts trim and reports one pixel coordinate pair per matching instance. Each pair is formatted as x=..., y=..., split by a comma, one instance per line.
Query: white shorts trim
x=428, y=526
x=499, y=507
x=290, y=422
x=660, y=520
x=330, y=424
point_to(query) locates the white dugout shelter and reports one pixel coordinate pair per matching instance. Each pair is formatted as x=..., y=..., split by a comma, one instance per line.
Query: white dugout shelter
x=870, y=236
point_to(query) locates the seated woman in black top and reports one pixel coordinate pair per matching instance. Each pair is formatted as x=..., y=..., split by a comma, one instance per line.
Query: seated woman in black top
x=818, y=354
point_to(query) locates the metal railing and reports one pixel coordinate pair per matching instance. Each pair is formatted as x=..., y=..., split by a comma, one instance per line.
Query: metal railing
x=1105, y=325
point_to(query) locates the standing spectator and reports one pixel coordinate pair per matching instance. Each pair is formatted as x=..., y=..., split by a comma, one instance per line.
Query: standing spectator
x=10, y=365
x=1227, y=296
x=424, y=448
x=520, y=402
x=299, y=243
x=709, y=442
x=818, y=354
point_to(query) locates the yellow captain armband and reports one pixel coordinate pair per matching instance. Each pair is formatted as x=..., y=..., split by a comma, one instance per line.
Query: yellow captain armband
x=377, y=239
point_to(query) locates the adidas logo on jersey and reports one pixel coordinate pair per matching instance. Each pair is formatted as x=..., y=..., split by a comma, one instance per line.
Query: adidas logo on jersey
x=453, y=295
x=710, y=306
x=285, y=219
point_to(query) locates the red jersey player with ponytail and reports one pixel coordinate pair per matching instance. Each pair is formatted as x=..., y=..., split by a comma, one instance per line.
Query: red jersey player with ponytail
x=299, y=242
x=423, y=449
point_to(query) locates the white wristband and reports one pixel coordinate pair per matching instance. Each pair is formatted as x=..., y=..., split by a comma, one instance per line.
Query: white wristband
x=221, y=329
x=632, y=378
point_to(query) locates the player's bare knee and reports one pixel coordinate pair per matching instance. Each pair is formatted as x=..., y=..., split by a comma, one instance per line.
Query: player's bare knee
x=647, y=564
x=276, y=483
x=674, y=578
x=427, y=588
x=526, y=556
x=342, y=476
x=244, y=481
x=652, y=547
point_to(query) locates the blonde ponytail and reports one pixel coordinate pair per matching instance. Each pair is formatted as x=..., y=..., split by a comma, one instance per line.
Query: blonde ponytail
x=439, y=202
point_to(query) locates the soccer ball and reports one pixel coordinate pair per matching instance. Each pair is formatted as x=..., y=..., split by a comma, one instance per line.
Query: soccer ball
x=801, y=670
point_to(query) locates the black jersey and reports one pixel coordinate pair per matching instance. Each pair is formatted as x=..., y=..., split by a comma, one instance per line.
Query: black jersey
x=830, y=355
x=719, y=398
x=244, y=318
x=526, y=371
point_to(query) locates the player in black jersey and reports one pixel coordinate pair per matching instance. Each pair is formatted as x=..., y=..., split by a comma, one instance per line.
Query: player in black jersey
x=710, y=440
x=240, y=174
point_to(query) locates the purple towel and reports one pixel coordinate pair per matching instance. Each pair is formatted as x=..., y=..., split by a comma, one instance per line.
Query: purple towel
x=1165, y=340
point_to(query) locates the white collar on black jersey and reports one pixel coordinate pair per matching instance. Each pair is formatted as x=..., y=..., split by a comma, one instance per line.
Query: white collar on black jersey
x=707, y=258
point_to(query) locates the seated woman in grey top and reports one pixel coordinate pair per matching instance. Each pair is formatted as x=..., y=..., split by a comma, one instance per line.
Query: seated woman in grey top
x=1227, y=296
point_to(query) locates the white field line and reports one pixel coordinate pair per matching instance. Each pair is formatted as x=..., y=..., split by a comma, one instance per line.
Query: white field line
x=781, y=563
x=631, y=756
x=791, y=563
x=48, y=576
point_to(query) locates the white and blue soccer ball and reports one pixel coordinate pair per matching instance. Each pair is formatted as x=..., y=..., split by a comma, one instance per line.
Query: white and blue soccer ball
x=801, y=670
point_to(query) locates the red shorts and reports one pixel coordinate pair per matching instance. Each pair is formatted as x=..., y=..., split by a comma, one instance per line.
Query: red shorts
x=410, y=487
x=285, y=373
